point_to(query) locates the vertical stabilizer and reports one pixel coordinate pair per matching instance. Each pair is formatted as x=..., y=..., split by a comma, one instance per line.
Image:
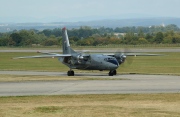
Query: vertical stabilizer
x=65, y=43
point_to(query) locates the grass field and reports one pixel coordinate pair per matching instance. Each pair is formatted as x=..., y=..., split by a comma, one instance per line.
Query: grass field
x=134, y=105
x=168, y=64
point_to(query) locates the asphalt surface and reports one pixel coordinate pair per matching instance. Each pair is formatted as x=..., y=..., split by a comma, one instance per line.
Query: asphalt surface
x=125, y=85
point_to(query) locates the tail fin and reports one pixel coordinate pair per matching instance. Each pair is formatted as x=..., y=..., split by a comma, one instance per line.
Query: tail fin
x=65, y=43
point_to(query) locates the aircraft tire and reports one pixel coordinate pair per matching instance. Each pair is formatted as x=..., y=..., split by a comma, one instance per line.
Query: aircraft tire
x=114, y=72
x=70, y=73
x=111, y=73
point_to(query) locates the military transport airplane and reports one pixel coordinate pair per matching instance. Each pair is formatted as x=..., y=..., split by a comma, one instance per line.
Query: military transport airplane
x=82, y=61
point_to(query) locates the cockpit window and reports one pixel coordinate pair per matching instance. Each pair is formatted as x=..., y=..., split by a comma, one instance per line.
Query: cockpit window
x=111, y=60
x=108, y=59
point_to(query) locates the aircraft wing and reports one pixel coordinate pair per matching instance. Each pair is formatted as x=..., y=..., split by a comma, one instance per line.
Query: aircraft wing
x=49, y=53
x=135, y=54
x=142, y=54
x=52, y=55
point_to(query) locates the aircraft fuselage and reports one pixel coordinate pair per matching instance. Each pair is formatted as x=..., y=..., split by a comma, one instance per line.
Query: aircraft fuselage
x=93, y=62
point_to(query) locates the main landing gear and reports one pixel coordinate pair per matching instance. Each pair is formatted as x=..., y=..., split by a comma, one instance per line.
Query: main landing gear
x=70, y=73
x=112, y=72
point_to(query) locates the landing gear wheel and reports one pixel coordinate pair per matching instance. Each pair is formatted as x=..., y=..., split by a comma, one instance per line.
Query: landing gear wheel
x=70, y=73
x=112, y=72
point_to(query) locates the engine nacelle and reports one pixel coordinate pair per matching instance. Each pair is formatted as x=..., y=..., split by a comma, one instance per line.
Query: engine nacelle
x=120, y=58
x=80, y=57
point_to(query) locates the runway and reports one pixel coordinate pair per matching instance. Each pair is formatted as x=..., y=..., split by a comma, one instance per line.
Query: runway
x=122, y=84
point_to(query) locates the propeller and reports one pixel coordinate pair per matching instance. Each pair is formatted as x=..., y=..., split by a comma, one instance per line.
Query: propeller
x=129, y=58
x=121, y=56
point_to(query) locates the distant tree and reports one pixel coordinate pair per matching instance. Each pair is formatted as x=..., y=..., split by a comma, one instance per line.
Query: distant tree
x=51, y=42
x=169, y=33
x=176, y=39
x=47, y=32
x=159, y=37
x=142, y=41
x=168, y=36
x=141, y=33
x=56, y=32
x=149, y=37
x=172, y=27
x=3, y=41
x=168, y=39
x=29, y=37
x=130, y=38
x=11, y=42
x=40, y=38
x=16, y=38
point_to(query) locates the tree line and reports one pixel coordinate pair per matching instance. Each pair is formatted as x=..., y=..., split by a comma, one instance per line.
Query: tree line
x=87, y=36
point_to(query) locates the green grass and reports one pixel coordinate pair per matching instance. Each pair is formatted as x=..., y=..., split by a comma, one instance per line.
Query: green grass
x=168, y=64
x=40, y=64
x=124, y=105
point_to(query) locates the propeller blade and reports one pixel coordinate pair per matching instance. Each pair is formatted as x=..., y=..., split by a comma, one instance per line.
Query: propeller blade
x=122, y=54
x=129, y=59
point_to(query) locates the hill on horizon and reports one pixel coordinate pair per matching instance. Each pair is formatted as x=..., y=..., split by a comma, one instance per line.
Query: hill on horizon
x=111, y=23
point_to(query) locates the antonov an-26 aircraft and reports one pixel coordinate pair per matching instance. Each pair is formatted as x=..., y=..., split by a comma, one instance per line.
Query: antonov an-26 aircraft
x=82, y=61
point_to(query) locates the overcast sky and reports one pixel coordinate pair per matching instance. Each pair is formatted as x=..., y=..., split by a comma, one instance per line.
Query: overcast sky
x=49, y=10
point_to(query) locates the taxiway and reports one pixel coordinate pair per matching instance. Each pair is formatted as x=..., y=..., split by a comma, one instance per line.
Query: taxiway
x=124, y=84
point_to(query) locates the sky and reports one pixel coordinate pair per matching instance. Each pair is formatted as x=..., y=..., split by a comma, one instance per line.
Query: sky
x=81, y=10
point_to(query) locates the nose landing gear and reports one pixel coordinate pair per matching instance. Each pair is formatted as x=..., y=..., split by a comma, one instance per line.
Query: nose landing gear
x=112, y=72
x=70, y=73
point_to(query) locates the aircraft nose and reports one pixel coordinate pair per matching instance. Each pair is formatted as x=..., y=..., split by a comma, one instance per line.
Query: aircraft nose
x=115, y=64
x=113, y=67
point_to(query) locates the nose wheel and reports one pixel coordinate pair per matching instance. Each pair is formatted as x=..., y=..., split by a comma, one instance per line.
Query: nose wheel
x=112, y=72
x=70, y=73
